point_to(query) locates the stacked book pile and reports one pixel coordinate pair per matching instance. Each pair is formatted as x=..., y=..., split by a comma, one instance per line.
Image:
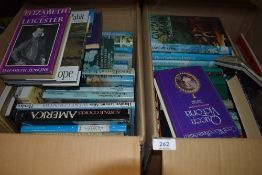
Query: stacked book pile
x=86, y=85
x=185, y=41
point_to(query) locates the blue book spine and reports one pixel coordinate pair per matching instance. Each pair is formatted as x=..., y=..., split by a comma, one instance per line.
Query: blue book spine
x=123, y=41
x=92, y=89
x=191, y=48
x=106, y=80
x=185, y=56
x=123, y=49
x=130, y=71
x=25, y=128
x=183, y=63
x=85, y=96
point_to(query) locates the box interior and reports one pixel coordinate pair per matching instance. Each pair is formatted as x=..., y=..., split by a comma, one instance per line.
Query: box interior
x=236, y=17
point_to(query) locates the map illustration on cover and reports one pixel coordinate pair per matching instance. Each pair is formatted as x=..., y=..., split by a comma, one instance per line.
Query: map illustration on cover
x=188, y=34
x=191, y=104
x=36, y=42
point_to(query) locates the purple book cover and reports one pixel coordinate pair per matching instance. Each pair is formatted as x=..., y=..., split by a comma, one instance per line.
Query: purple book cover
x=96, y=34
x=35, y=44
x=192, y=105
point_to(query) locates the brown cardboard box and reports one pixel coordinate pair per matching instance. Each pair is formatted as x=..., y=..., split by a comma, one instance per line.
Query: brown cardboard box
x=62, y=155
x=207, y=156
x=39, y=154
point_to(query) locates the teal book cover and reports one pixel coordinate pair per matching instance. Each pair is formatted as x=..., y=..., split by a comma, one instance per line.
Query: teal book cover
x=188, y=34
x=102, y=58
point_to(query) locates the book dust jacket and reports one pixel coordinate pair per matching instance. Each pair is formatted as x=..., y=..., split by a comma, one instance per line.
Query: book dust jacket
x=36, y=41
x=191, y=104
x=188, y=34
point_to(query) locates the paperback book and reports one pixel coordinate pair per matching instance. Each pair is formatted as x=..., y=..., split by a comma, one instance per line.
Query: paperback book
x=191, y=104
x=37, y=46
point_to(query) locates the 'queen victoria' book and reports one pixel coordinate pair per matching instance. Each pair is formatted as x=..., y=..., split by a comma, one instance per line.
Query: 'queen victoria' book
x=37, y=45
x=191, y=104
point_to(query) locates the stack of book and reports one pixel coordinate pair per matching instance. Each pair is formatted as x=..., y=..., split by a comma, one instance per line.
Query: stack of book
x=178, y=41
x=182, y=41
x=101, y=99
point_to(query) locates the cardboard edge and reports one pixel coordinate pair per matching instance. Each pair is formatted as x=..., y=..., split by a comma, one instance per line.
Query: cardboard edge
x=243, y=108
x=67, y=154
x=219, y=156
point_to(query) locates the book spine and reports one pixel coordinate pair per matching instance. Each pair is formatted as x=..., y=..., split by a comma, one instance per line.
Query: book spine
x=73, y=128
x=123, y=49
x=182, y=63
x=184, y=56
x=89, y=96
x=123, y=56
x=107, y=80
x=130, y=71
x=90, y=24
x=78, y=106
x=93, y=89
x=96, y=32
x=123, y=41
x=191, y=48
x=70, y=116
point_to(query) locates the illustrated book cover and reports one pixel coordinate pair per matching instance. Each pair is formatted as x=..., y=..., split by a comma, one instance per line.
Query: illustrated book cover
x=188, y=34
x=36, y=43
x=75, y=44
x=102, y=58
x=191, y=104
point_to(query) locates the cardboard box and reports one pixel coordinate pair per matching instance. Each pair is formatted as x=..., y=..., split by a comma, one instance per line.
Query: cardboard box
x=118, y=154
x=207, y=156
x=67, y=155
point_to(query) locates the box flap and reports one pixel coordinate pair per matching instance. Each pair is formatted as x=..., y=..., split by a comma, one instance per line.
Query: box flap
x=243, y=108
x=214, y=156
x=72, y=155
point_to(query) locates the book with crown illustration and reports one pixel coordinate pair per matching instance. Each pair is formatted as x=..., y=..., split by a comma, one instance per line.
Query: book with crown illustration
x=191, y=104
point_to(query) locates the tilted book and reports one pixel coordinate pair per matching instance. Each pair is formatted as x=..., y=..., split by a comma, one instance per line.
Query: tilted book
x=191, y=104
x=188, y=34
x=35, y=49
x=74, y=50
x=93, y=41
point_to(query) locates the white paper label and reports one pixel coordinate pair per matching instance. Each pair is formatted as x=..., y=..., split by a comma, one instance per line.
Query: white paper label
x=67, y=73
x=164, y=144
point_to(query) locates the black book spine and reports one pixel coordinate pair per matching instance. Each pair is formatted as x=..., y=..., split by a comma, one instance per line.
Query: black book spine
x=70, y=116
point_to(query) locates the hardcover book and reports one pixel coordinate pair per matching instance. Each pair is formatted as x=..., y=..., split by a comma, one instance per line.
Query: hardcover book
x=73, y=128
x=58, y=117
x=192, y=105
x=123, y=41
x=74, y=49
x=102, y=58
x=188, y=34
x=93, y=42
x=36, y=47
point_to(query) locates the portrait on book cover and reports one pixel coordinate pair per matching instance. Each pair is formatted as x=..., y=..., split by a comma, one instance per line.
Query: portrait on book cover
x=33, y=45
x=187, y=83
